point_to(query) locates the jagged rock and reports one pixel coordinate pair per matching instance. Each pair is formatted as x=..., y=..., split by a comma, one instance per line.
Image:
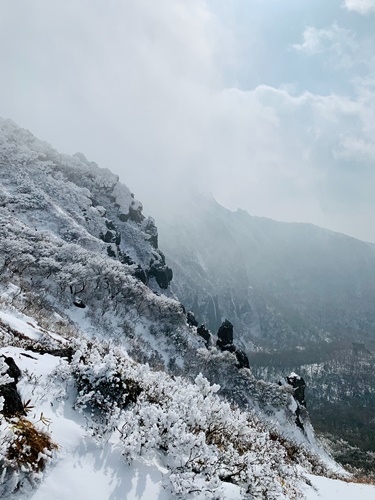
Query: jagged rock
x=140, y=274
x=13, y=370
x=78, y=303
x=108, y=237
x=124, y=217
x=112, y=235
x=151, y=229
x=205, y=334
x=111, y=252
x=299, y=386
x=12, y=401
x=225, y=337
x=243, y=360
x=125, y=259
x=227, y=347
x=162, y=274
x=191, y=319
x=61, y=353
x=225, y=343
x=134, y=215
x=110, y=225
x=13, y=405
x=169, y=273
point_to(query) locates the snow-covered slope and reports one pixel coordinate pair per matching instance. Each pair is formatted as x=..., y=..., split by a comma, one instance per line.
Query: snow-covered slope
x=77, y=201
x=168, y=441
x=111, y=380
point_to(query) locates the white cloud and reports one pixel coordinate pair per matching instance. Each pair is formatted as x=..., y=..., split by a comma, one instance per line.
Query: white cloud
x=137, y=86
x=361, y=6
x=338, y=43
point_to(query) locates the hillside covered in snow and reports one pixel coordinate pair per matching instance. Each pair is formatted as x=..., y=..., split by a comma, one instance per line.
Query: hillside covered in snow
x=108, y=387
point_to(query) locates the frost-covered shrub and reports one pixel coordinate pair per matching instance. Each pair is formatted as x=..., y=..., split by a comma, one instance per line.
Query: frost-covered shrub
x=25, y=451
x=202, y=440
x=205, y=442
x=104, y=386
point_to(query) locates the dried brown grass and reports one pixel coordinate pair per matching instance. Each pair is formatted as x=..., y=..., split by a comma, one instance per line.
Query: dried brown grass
x=30, y=448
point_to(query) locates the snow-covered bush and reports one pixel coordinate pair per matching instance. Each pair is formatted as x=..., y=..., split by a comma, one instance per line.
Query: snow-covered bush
x=104, y=387
x=202, y=440
x=205, y=442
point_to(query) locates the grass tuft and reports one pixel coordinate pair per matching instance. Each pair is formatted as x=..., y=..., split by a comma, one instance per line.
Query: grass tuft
x=31, y=448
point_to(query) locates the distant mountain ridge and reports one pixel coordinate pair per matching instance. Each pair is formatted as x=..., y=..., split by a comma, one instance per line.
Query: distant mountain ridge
x=280, y=284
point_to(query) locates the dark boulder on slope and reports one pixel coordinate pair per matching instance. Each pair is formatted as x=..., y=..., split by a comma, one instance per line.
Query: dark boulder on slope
x=225, y=336
x=299, y=385
x=243, y=360
x=140, y=274
x=205, y=334
x=225, y=343
x=13, y=371
x=163, y=275
x=12, y=401
x=191, y=319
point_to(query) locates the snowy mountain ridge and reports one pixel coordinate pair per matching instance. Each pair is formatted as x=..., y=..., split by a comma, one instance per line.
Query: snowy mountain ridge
x=105, y=366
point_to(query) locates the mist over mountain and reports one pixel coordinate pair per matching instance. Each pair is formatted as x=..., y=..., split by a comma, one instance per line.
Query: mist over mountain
x=301, y=298
x=281, y=284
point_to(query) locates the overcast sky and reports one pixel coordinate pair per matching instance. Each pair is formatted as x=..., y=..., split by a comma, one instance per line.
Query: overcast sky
x=268, y=104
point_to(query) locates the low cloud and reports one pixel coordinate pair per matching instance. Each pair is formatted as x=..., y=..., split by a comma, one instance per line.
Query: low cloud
x=338, y=44
x=361, y=6
x=139, y=88
x=332, y=39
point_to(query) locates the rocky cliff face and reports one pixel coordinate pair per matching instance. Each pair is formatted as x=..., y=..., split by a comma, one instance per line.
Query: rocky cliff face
x=79, y=202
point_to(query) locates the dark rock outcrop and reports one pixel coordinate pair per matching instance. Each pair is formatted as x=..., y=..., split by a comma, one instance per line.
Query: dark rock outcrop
x=111, y=252
x=225, y=343
x=13, y=370
x=205, y=334
x=13, y=405
x=225, y=336
x=78, y=303
x=134, y=215
x=243, y=360
x=112, y=235
x=61, y=353
x=298, y=384
x=151, y=229
x=140, y=274
x=191, y=321
x=163, y=274
x=125, y=259
x=108, y=237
